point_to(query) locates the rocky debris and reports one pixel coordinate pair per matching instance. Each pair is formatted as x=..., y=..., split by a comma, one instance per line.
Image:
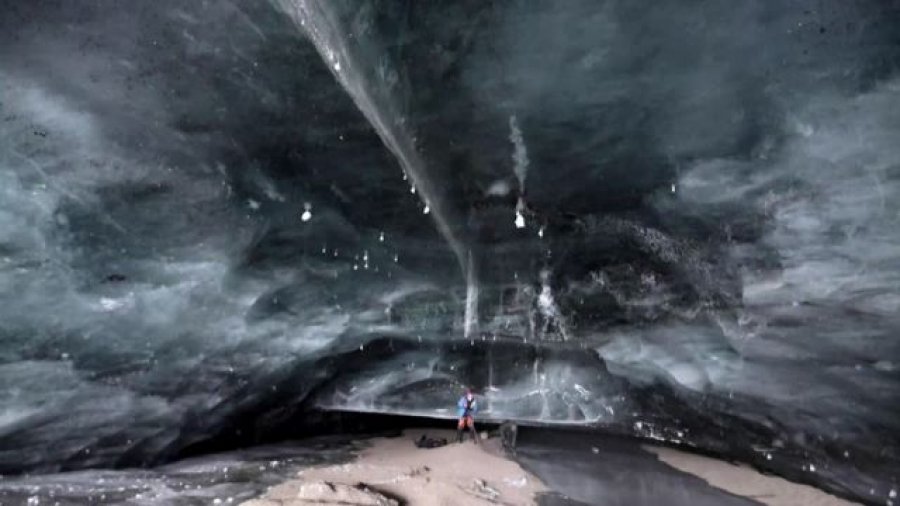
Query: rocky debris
x=430, y=442
x=419, y=471
x=324, y=493
x=481, y=489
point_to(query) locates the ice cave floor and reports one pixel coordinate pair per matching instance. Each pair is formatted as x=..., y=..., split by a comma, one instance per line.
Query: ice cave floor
x=550, y=468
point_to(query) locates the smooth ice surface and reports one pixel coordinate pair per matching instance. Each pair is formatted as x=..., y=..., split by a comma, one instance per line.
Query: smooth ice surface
x=669, y=220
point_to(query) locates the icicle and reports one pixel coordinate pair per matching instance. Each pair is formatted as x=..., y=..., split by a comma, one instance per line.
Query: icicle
x=520, y=152
x=520, y=220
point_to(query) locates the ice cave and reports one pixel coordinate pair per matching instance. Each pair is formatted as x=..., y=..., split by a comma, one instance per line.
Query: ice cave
x=238, y=238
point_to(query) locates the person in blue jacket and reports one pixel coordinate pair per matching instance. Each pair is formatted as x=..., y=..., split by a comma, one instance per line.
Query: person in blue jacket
x=466, y=408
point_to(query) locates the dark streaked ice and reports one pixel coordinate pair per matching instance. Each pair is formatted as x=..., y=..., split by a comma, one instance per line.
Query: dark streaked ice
x=668, y=220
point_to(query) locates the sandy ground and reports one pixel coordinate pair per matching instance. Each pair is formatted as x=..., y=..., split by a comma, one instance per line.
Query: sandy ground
x=745, y=481
x=393, y=468
x=393, y=472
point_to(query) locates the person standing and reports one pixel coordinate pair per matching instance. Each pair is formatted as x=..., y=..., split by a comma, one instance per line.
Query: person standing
x=465, y=411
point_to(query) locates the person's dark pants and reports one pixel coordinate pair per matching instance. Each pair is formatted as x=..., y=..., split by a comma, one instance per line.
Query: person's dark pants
x=466, y=421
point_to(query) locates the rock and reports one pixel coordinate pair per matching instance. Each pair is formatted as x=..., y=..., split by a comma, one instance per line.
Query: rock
x=323, y=492
x=481, y=489
x=508, y=435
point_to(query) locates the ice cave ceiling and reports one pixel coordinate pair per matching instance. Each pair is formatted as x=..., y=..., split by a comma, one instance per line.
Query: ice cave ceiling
x=670, y=219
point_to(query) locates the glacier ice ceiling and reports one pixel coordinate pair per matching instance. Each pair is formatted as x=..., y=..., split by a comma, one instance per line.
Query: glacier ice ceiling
x=673, y=220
